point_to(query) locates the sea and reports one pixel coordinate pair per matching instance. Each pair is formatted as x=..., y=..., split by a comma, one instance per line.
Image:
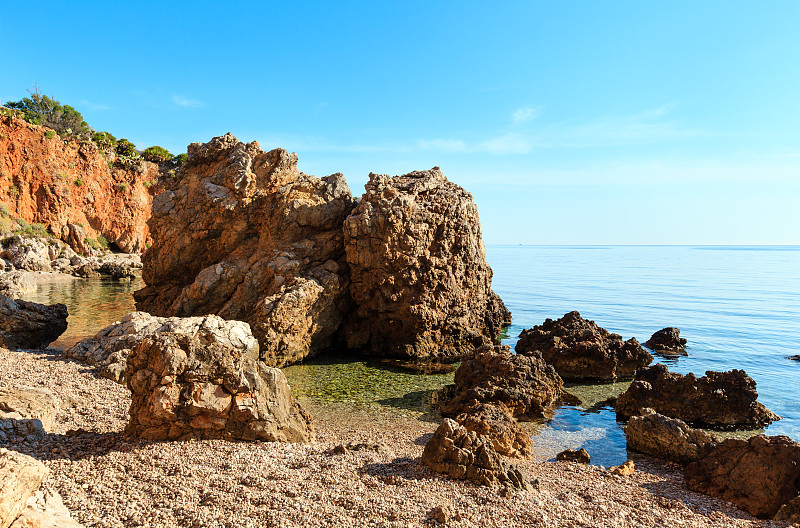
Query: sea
x=738, y=307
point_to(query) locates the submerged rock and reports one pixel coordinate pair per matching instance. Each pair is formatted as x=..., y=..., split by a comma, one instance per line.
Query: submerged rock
x=419, y=367
x=667, y=438
x=247, y=236
x=505, y=433
x=667, y=340
x=463, y=454
x=26, y=324
x=759, y=475
x=418, y=272
x=718, y=399
x=581, y=350
x=185, y=387
x=521, y=385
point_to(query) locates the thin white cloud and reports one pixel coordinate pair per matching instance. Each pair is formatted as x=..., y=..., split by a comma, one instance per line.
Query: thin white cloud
x=524, y=114
x=507, y=144
x=186, y=102
x=446, y=145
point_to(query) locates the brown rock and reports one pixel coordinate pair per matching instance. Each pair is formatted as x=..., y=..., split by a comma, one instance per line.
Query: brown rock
x=623, y=470
x=581, y=350
x=20, y=476
x=718, y=399
x=467, y=455
x=418, y=272
x=247, y=236
x=790, y=512
x=667, y=340
x=667, y=438
x=759, y=475
x=574, y=455
x=522, y=385
x=506, y=435
x=183, y=387
x=26, y=324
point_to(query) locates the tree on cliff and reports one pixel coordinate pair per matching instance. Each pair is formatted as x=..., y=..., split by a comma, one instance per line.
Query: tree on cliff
x=40, y=109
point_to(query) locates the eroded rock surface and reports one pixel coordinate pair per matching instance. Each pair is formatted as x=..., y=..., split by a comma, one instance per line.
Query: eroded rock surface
x=247, y=236
x=574, y=455
x=26, y=324
x=505, y=433
x=108, y=350
x=581, y=350
x=521, y=385
x=759, y=475
x=463, y=454
x=718, y=399
x=183, y=387
x=667, y=438
x=418, y=272
x=667, y=340
x=20, y=477
x=26, y=413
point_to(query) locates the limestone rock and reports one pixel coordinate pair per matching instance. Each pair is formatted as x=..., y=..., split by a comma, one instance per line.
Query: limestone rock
x=718, y=399
x=26, y=413
x=522, y=385
x=183, y=386
x=623, y=470
x=27, y=254
x=26, y=324
x=465, y=454
x=247, y=236
x=574, y=455
x=109, y=348
x=506, y=435
x=667, y=340
x=418, y=272
x=45, y=510
x=15, y=284
x=667, y=438
x=759, y=475
x=20, y=477
x=581, y=350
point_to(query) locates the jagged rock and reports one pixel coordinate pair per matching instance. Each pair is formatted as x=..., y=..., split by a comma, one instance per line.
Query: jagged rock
x=790, y=512
x=20, y=477
x=522, y=385
x=117, y=270
x=718, y=399
x=574, y=455
x=16, y=283
x=667, y=340
x=28, y=254
x=26, y=324
x=667, y=438
x=581, y=350
x=418, y=272
x=45, y=509
x=506, y=435
x=795, y=358
x=759, y=475
x=183, y=386
x=247, y=236
x=623, y=470
x=26, y=413
x=75, y=236
x=464, y=454
x=110, y=347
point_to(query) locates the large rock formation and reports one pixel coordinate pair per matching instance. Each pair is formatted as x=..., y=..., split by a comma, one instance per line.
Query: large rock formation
x=521, y=385
x=247, y=236
x=108, y=350
x=667, y=341
x=26, y=413
x=718, y=399
x=183, y=387
x=20, y=477
x=26, y=324
x=418, y=273
x=505, y=433
x=465, y=454
x=759, y=475
x=69, y=187
x=667, y=438
x=581, y=350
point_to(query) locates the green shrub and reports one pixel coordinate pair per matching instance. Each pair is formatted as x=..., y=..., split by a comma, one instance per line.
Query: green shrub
x=71, y=165
x=50, y=134
x=13, y=191
x=101, y=240
x=60, y=176
x=43, y=110
x=122, y=186
x=4, y=212
x=180, y=159
x=110, y=164
x=156, y=154
x=126, y=148
x=104, y=141
x=78, y=182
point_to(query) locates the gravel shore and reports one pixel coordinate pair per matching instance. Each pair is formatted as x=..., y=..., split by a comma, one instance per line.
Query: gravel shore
x=108, y=480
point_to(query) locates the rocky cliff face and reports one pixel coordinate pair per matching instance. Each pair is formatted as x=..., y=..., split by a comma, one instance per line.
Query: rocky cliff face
x=248, y=236
x=418, y=272
x=70, y=188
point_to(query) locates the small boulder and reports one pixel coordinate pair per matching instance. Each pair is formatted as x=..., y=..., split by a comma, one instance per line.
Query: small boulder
x=667, y=341
x=623, y=470
x=574, y=455
x=667, y=438
x=581, y=350
x=16, y=283
x=117, y=269
x=29, y=254
x=26, y=324
x=26, y=413
x=185, y=387
x=505, y=433
x=718, y=399
x=464, y=454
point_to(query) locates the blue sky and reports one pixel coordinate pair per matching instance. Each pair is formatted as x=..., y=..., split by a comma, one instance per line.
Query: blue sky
x=571, y=122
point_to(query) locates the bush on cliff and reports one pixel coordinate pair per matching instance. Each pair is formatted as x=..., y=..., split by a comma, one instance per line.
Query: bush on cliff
x=40, y=109
x=126, y=148
x=156, y=154
x=104, y=140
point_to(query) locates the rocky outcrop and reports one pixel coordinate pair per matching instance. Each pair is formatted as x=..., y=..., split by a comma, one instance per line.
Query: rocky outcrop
x=667, y=341
x=61, y=184
x=108, y=350
x=15, y=284
x=790, y=512
x=183, y=387
x=20, y=477
x=795, y=358
x=418, y=272
x=581, y=350
x=26, y=324
x=45, y=509
x=574, y=455
x=463, y=454
x=667, y=438
x=506, y=435
x=718, y=399
x=26, y=413
x=247, y=236
x=759, y=475
x=520, y=385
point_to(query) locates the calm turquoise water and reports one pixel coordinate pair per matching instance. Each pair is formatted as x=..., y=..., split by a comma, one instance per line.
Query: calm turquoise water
x=739, y=307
